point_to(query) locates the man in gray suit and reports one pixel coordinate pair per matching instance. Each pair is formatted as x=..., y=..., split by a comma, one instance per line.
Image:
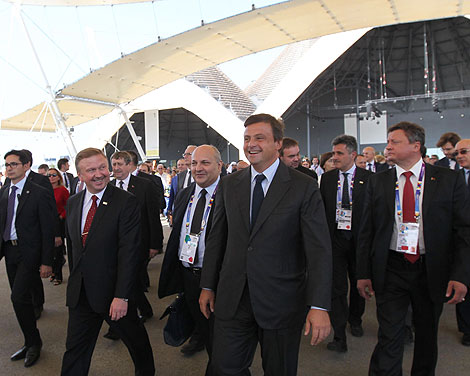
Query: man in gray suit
x=267, y=265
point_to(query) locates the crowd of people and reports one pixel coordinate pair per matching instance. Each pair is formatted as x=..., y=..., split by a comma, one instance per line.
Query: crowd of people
x=263, y=250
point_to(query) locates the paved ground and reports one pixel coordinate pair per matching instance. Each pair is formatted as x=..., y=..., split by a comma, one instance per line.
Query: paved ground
x=111, y=358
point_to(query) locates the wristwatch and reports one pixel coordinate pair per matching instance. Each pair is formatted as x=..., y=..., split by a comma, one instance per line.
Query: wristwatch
x=124, y=299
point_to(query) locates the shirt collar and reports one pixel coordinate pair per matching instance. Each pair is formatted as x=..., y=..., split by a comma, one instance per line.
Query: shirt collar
x=210, y=189
x=88, y=195
x=268, y=173
x=416, y=169
x=126, y=180
x=20, y=184
x=350, y=172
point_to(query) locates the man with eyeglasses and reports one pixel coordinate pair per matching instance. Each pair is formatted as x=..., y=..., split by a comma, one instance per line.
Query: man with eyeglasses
x=27, y=244
x=462, y=153
x=447, y=144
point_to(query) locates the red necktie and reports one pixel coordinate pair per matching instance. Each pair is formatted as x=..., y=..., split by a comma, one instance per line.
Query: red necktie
x=409, y=210
x=89, y=219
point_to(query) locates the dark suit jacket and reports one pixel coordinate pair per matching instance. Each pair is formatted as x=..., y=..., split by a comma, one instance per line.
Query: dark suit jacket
x=173, y=191
x=151, y=227
x=444, y=162
x=34, y=224
x=286, y=258
x=328, y=189
x=307, y=171
x=171, y=277
x=446, y=230
x=108, y=265
x=181, y=180
x=159, y=185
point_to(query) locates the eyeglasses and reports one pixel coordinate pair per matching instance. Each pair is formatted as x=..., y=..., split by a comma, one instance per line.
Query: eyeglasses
x=12, y=164
x=53, y=175
x=185, y=154
x=461, y=151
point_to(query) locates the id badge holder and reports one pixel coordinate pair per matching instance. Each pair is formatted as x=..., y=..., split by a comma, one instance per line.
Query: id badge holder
x=344, y=219
x=408, y=236
x=188, y=253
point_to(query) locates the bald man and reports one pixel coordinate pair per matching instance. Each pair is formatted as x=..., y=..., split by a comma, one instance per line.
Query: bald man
x=371, y=165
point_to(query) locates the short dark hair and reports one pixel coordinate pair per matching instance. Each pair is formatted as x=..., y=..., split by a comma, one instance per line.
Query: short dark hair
x=287, y=143
x=29, y=156
x=414, y=133
x=61, y=162
x=20, y=154
x=87, y=153
x=43, y=167
x=349, y=141
x=134, y=157
x=451, y=137
x=324, y=157
x=277, y=126
x=122, y=155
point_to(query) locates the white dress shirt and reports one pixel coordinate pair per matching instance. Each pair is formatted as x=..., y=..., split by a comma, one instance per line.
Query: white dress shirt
x=416, y=169
x=202, y=241
x=268, y=174
x=87, y=201
x=125, y=182
x=19, y=191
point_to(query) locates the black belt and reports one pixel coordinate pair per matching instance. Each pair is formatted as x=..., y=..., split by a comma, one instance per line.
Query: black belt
x=14, y=243
x=401, y=256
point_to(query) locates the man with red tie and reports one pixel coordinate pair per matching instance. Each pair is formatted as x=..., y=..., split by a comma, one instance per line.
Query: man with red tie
x=103, y=237
x=413, y=248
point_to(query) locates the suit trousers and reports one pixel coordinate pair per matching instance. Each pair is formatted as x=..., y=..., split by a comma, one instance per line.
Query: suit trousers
x=22, y=279
x=404, y=283
x=235, y=343
x=344, y=266
x=38, y=291
x=82, y=332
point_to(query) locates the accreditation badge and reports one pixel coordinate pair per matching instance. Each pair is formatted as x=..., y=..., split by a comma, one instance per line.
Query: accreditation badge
x=407, y=239
x=344, y=217
x=188, y=253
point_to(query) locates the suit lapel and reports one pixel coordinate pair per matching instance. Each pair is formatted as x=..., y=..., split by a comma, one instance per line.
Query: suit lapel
x=431, y=180
x=76, y=225
x=100, y=212
x=389, y=190
x=131, y=185
x=24, y=196
x=242, y=188
x=277, y=190
x=4, y=205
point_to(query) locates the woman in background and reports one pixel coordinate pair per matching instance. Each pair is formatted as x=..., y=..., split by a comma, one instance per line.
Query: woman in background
x=61, y=195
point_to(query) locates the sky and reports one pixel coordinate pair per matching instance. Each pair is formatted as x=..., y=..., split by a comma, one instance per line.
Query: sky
x=72, y=41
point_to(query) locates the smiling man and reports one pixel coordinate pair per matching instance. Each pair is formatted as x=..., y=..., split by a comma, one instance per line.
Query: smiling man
x=103, y=234
x=413, y=248
x=262, y=282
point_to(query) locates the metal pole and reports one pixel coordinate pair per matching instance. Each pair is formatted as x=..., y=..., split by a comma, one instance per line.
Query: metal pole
x=132, y=133
x=358, y=122
x=308, y=130
x=56, y=114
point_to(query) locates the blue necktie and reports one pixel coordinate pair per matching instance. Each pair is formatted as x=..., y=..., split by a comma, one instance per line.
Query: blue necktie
x=10, y=213
x=345, y=200
x=258, y=197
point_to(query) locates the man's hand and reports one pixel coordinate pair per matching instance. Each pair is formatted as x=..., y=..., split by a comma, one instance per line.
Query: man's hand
x=153, y=253
x=459, y=289
x=206, y=302
x=319, y=322
x=365, y=288
x=45, y=271
x=118, y=309
x=57, y=241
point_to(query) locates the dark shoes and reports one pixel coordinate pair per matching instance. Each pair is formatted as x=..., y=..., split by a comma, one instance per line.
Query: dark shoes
x=338, y=345
x=466, y=339
x=143, y=318
x=357, y=331
x=111, y=335
x=192, y=348
x=29, y=354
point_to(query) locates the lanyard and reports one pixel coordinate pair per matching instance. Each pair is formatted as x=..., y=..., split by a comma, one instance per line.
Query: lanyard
x=206, y=213
x=419, y=188
x=339, y=191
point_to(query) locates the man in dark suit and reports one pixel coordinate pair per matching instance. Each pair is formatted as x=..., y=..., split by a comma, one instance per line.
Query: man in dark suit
x=184, y=177
x=447, y=144
x=462, y=152
x=371, y=164
x=267, y=266
x=67, y=177
x=343, y=191
x=103, y=234
x=27, y=244
x=179, y=274
x=413, y=248
x=180, y=166
x=151, y=227
x=290, y=155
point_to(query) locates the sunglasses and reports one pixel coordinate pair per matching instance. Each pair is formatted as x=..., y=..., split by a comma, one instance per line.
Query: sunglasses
x=461, y=151
x=53, y=175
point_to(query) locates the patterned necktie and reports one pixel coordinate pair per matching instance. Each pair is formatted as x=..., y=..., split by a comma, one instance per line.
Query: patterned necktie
x=409, y=210
x=89, y=219
x=10, y=213
x=258, y=197
x=197, y=218
x=345, y=200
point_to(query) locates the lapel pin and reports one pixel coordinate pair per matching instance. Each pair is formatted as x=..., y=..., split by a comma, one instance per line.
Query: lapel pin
x=361, y=182
x=433, y=178
x=105, y=203
x=27, y=192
